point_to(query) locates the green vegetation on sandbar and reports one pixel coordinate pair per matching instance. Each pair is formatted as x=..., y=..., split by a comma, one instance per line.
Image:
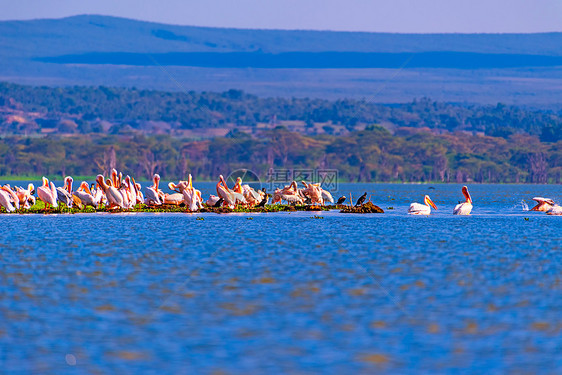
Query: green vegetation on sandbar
x=39, y=208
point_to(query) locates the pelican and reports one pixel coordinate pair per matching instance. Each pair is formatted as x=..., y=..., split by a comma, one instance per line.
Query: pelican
x=175, y=198
x=213, y=199
x=133, y=194
x=555, y=210
x=152, y=194
x=313, y=192
x=236, y=191
x=48, y=194
x=85, y=195
x=25, y=196
x=422, y=209
x=6, y=199
x=466, y=207
x=288, y=193
x=251, y=196
x=224, y=192
x=64, y=193
x=113, y=196
x=326, y=196
x=543, y=204
x=140, y=196
x=13, y=196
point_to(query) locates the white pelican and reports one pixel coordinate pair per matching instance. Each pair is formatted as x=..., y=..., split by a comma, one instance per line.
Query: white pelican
x=174, y=198
x=251, y=196
x=213, y=199
x=64, y=193
x=224, y=192
x=85, y=195
x=25, y=196
x=48, y=194
x=326, y=196
x=152, y=193
x=113, y=196
x=543, y=204
x=6, y=199
x=422, y=209
x=555, y=210
x=288, y=193
x=466, y=207
x=236, y=191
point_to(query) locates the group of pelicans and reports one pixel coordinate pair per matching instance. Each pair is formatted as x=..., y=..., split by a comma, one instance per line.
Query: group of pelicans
x=124, y=193
x=543, y=204
x=118, y=192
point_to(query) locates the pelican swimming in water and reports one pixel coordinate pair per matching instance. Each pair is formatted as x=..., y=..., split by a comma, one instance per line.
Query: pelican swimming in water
x=48, y=193
x=422, y=209
x=543, y=204
x=555, y=210
x=465, y=207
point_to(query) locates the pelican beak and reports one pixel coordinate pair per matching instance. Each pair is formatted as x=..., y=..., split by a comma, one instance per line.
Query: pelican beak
x=466, y=194
x=431, y=203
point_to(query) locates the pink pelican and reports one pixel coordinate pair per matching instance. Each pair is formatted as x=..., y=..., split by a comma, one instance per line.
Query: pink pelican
x=48, y=194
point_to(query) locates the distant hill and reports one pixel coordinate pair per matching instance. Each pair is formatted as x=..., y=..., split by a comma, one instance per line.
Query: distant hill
x=521, y=69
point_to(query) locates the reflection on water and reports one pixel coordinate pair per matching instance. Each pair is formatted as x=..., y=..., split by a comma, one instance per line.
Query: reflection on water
x=285, y=292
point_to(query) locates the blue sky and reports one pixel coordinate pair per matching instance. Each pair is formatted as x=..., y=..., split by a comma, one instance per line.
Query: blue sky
x=418, y=16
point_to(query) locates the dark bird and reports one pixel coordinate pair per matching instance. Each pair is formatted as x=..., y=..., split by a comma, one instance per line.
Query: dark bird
x=361, y=199
x=265, y=199
x=219, y=203
x=340, y=200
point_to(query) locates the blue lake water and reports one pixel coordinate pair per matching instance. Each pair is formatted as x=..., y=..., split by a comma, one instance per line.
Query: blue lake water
x=288, y=292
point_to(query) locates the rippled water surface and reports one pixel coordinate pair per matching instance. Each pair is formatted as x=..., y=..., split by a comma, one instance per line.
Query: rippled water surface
x=291, y=292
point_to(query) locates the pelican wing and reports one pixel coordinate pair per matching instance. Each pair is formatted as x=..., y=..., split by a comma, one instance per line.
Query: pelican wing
x=543, y=200
x=462, y=209
x=419, y=209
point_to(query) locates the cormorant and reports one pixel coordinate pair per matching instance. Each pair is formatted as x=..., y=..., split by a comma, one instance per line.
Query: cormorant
x=361, y=199
x=340, y=200
x=265, y=199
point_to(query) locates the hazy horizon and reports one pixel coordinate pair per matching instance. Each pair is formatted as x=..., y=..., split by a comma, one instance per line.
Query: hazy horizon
x=401, y=16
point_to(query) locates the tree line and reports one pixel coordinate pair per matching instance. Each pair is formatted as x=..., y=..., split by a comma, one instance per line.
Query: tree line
x=370, y=155
x=83, y=110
